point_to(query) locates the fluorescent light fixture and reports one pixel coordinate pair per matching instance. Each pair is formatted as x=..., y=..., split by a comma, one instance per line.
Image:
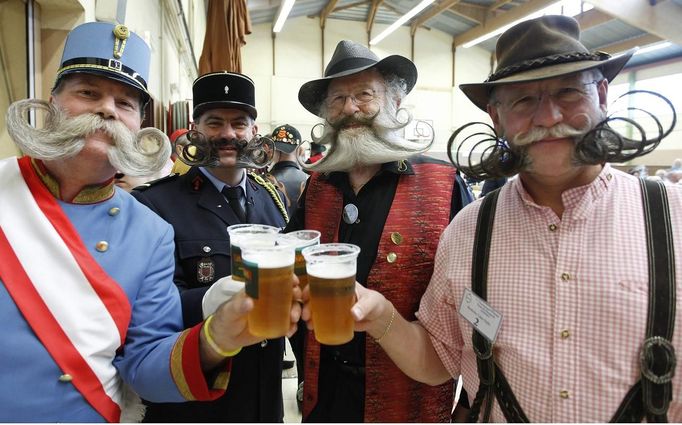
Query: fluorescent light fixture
x=406, y=17
x=566, y=7
x=284, y=10
x=652, y=47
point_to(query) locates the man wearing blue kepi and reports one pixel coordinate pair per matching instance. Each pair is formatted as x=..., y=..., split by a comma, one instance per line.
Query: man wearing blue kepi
x=200, y=205
x=87, y=301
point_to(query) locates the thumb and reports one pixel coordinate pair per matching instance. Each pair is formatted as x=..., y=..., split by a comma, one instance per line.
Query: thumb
x=241, y=304
x=367, y=300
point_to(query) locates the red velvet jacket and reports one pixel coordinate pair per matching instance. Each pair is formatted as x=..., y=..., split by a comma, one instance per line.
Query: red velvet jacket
x=419, y=213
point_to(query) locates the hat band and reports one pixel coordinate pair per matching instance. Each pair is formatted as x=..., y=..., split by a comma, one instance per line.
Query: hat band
x=353, y=62
x=545, y=61
x=110, y=65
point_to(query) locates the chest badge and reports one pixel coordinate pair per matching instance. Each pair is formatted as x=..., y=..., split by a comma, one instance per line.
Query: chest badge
x=205, y=270
x=350, y=213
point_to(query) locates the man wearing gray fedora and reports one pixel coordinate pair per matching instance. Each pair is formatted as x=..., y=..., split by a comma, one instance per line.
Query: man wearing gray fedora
x=373, y=189
x=554, y=296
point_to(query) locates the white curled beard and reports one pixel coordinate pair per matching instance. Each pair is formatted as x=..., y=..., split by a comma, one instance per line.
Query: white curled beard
x=377, y=143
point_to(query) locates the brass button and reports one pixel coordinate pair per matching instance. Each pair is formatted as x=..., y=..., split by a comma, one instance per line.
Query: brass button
x=114, y=211
x=65, y=378
x=552, y=227
x=102, y=246
x=396, y=238
x=206, y=248
x=565, y=334
x=563, y=394
x=264, y=343
x=391, y=257
x=565, y=277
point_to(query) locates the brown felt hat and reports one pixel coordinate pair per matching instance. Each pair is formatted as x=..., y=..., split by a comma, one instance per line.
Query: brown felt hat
x=542, y=48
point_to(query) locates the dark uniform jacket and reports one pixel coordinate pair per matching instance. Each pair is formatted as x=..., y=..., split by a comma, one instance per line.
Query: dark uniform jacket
x=200, y=216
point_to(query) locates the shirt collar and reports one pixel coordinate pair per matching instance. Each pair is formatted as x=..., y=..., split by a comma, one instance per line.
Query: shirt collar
x=219, y=184
x=577, y=198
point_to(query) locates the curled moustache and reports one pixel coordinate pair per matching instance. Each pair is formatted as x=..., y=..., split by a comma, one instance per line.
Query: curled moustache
x=204, y=152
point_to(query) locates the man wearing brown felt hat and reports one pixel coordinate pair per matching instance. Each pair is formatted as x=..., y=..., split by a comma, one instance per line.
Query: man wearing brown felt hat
x=554, y=296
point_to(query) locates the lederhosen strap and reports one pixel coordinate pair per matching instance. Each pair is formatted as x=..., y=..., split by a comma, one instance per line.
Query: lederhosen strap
x=492, y=381
x=652, y=394
x=650, y=397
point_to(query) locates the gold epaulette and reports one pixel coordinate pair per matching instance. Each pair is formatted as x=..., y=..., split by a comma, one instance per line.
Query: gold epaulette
x=273, y=194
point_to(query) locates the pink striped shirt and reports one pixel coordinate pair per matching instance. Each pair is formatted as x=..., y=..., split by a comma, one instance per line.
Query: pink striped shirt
x=572, y=293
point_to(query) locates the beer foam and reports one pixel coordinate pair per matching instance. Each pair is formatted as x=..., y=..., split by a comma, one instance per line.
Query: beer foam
x=331, y=270
x=269, y=260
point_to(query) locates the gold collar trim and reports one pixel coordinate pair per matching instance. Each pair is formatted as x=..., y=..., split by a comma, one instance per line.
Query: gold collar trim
x=90, y=194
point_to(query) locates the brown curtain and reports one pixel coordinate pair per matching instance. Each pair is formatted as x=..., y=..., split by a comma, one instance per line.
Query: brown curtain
x=226, y=25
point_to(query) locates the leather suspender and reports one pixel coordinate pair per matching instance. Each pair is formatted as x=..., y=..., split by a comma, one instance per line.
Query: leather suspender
x=652, y=394
x=493, y=383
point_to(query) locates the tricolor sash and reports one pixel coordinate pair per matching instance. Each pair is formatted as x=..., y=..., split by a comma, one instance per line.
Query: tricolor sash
x=78, y=312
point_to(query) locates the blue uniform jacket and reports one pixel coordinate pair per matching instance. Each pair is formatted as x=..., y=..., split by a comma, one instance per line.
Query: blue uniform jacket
x=139, y=257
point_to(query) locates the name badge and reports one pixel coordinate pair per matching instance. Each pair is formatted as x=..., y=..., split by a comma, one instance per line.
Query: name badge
x=480, y=314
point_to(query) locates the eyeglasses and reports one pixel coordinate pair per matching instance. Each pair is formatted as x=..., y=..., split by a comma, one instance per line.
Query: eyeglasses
x=336, y=101
x=527, y=103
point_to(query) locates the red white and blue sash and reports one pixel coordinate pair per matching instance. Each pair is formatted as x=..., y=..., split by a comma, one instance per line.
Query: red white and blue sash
x=78, y=312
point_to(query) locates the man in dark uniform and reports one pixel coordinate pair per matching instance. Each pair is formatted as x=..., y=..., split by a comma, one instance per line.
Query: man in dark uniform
x=372, y=189
x=286, y=169
x=200, y=205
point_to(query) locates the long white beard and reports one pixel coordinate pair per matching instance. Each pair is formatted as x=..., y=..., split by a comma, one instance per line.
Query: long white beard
x=376, y=141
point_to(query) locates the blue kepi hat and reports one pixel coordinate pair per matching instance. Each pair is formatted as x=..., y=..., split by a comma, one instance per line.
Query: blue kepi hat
x=109, y=50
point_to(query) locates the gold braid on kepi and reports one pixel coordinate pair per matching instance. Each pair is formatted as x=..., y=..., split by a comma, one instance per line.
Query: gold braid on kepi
x=273, y=194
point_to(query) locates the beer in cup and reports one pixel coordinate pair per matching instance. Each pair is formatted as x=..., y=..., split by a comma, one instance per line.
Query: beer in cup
x=302, y=239
x=331, y=276
x=268, y=271
x=239, y=232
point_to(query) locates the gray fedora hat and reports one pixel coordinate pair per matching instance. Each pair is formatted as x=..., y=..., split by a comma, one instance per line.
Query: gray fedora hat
x=541, y=48
x=351, y=58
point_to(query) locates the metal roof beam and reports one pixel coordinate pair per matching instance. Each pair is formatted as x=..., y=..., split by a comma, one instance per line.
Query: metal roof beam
x=328, y=9
x=621, y=46
x=506, y=18
x=432, y=12
x=592, y=18
x=470, y=12
x=662, y=19
x=372, y=14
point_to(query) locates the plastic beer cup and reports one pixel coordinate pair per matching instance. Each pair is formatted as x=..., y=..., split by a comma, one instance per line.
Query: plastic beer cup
x=331, y=276
x=239, y=232
x=302, y=239
x=268, y=271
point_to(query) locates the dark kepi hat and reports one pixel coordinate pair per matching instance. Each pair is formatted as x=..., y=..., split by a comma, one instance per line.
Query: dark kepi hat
x=286, y=138
x=541, y=48
x=108, y=50
x=227, y=90
x=351, y=58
